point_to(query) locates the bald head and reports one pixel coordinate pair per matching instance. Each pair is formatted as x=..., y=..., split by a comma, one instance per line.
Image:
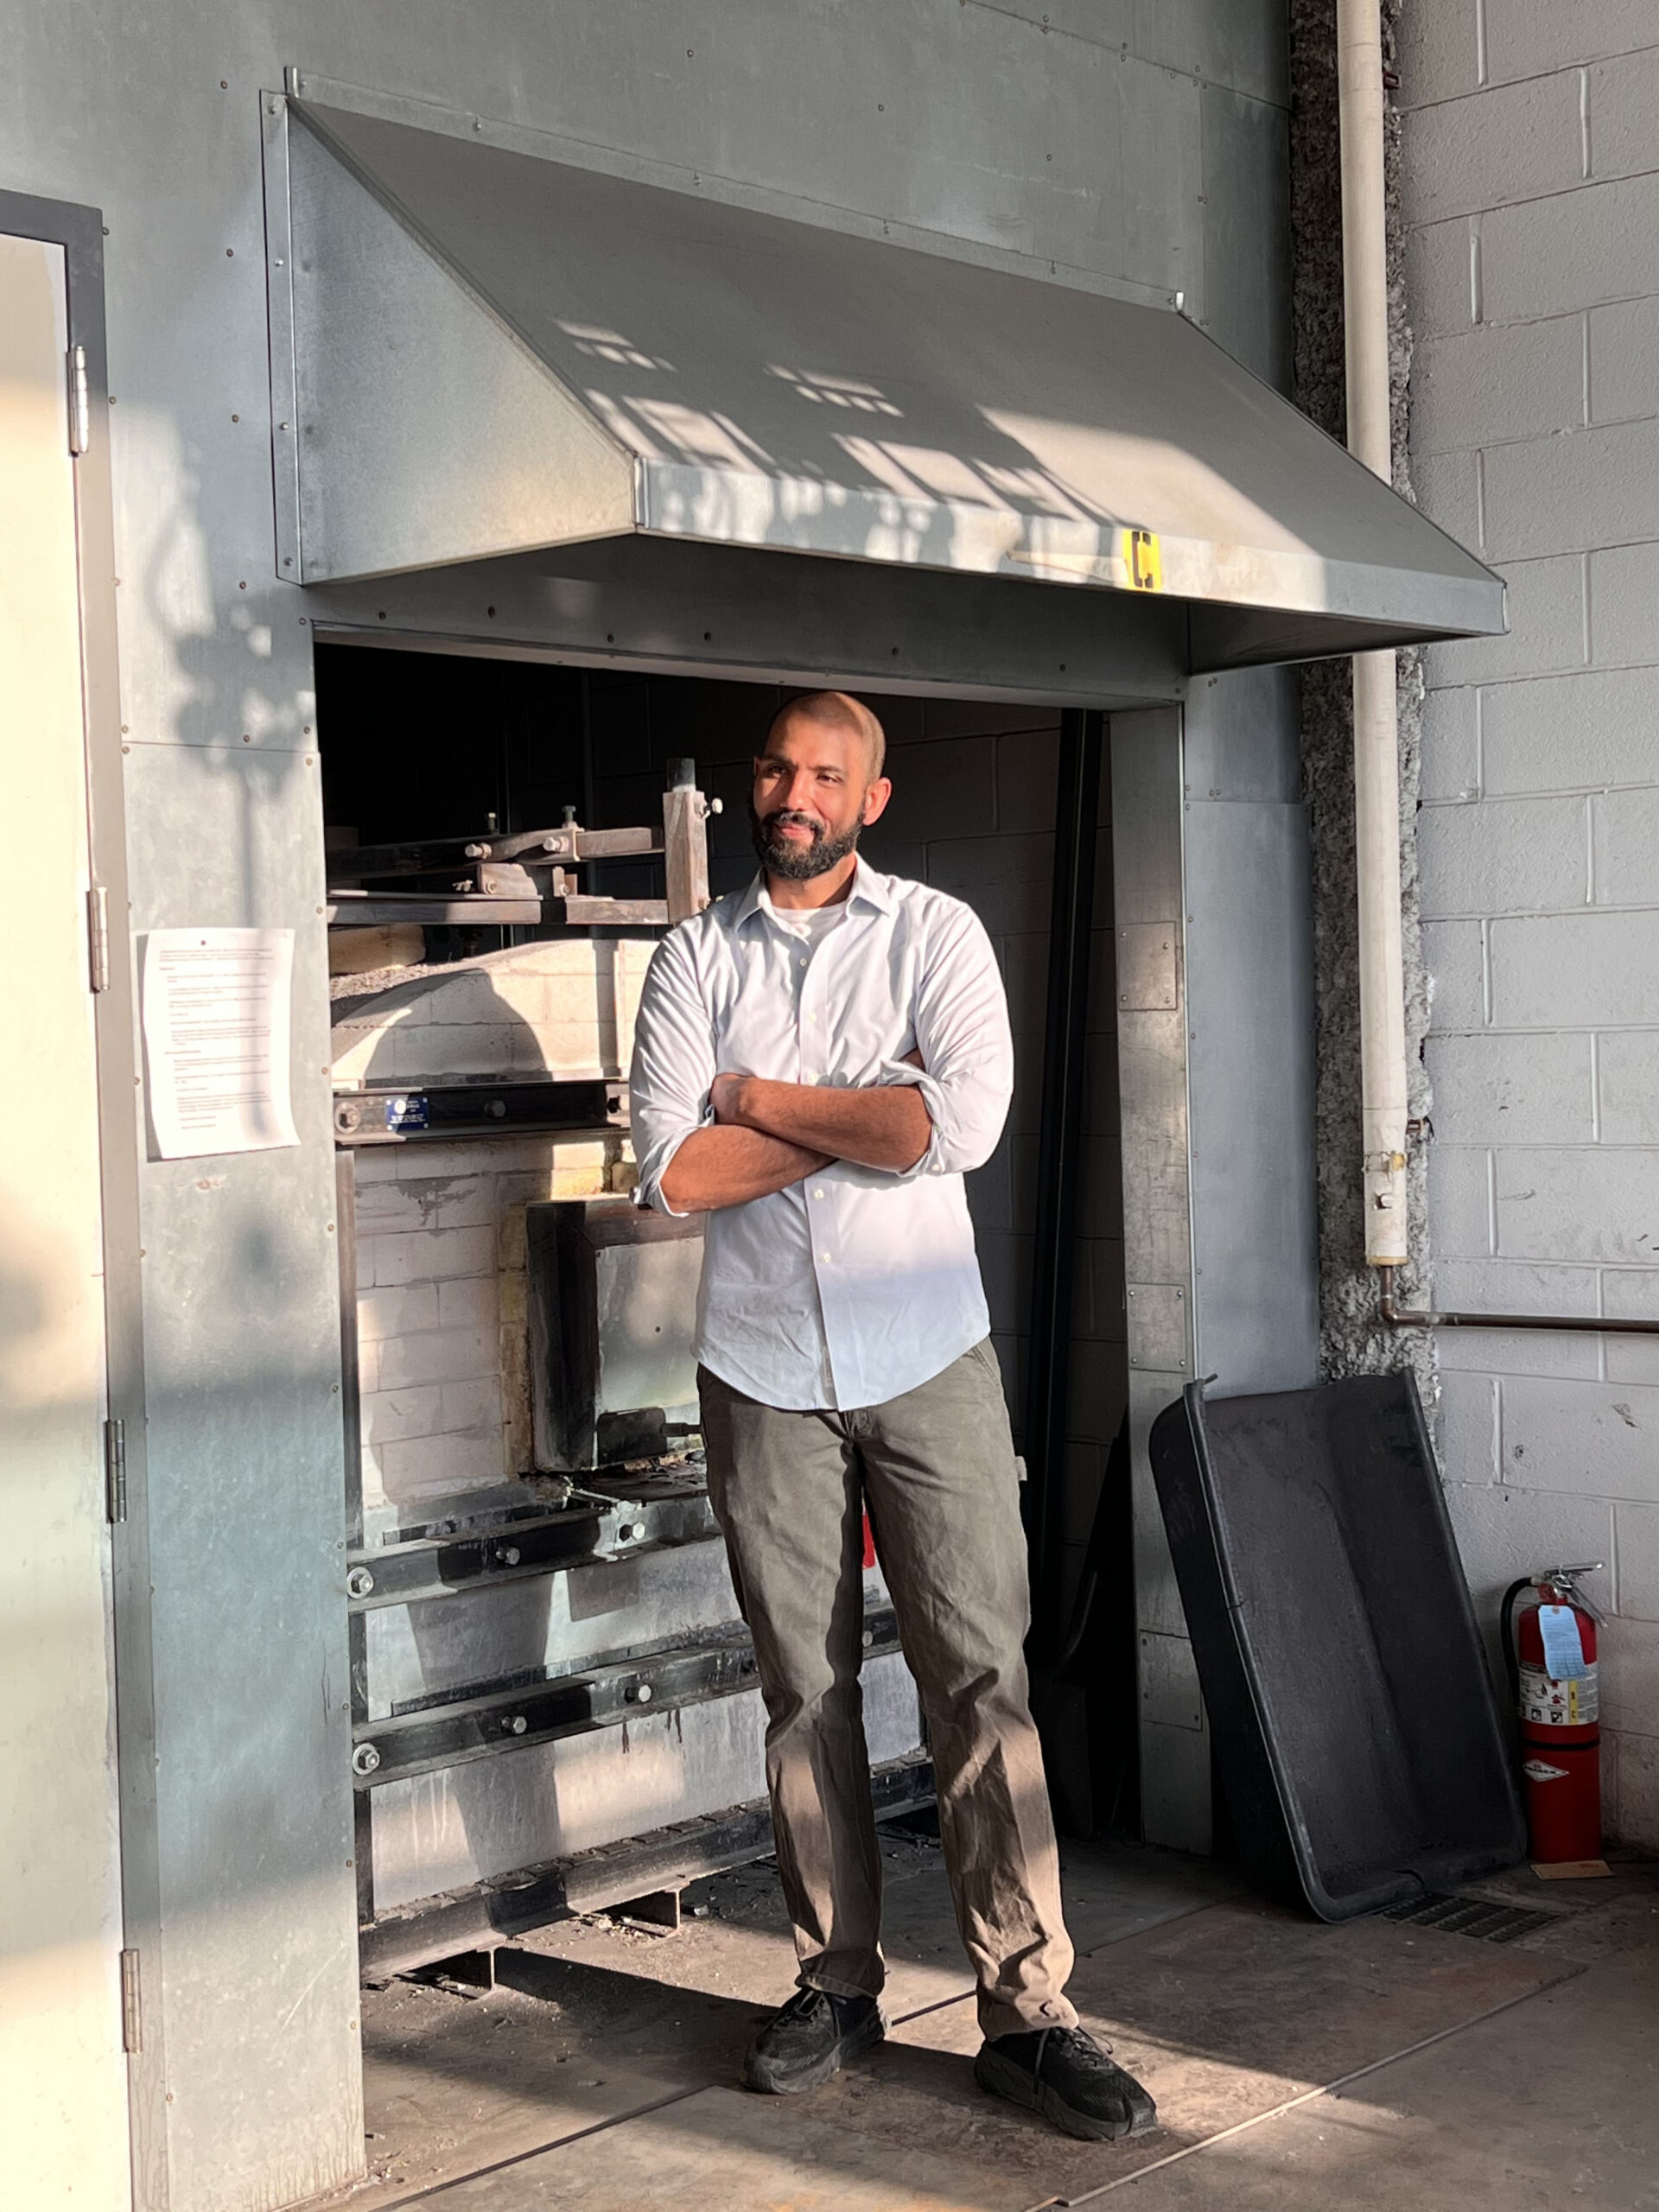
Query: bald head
x=839, y=710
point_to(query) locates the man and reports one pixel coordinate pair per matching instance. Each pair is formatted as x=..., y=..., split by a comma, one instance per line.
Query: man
x=817, y=1061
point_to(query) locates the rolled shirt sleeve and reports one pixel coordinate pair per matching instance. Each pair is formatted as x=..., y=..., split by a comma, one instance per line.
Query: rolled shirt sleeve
x=960, y=1015
x=673, y=1068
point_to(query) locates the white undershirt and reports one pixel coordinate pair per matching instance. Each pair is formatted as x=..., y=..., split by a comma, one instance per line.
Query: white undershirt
x=810, y=924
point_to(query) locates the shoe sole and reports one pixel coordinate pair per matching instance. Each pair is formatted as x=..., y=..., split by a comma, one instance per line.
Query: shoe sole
x=758, y=2077
x=1003, y=2079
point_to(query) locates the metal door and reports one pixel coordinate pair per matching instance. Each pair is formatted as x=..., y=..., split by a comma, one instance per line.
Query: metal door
x=63, y=2089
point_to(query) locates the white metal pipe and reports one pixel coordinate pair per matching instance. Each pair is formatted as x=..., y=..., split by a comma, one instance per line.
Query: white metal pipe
x=1376, y=737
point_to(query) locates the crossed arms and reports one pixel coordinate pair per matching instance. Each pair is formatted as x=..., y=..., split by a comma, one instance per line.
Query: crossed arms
x=767, y=1135
x=707, y=1139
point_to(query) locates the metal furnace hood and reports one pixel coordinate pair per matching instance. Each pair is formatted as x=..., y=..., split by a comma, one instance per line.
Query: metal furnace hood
x=494, y=352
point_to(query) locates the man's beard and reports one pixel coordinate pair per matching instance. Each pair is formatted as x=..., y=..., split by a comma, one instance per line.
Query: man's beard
x=798, y=863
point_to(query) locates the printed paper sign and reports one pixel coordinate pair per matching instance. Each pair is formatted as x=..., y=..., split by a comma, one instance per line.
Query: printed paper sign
x=216, y=1021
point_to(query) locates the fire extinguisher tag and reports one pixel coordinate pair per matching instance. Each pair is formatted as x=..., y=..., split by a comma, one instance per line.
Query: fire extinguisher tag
x=1536, y=1771
x=1563, y=1646
x=1553, y=1704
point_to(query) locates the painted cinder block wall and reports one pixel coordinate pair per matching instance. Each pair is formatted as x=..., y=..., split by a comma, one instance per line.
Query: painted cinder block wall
x=1530, y=179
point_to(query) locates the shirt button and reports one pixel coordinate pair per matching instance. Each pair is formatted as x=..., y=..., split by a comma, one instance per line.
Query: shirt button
x=818, y=1194
x=823, y=1255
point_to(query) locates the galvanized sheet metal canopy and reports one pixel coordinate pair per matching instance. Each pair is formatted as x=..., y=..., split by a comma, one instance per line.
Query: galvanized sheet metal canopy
x=494, y=352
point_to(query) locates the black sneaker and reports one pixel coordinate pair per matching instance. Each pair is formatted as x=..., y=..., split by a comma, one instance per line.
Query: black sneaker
x=1064, y=2073
x=810, y=2040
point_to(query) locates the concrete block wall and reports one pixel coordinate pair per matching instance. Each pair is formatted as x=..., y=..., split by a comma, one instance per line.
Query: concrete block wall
x=1530, y=173
x=972, y=811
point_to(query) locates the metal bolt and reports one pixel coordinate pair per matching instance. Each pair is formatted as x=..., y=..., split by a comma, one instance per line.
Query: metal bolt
x=508, y=1554
x=365, y=1760
x=516, y=1725
x=359, y=1582
x=639, y=1694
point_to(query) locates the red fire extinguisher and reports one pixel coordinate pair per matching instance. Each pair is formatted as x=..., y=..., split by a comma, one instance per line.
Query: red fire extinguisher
x=1551, y=1655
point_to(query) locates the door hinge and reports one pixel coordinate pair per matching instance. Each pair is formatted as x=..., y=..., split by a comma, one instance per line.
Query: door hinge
x=115, y=1468
x=97, y=935
x=132, y=2004
x=80, y=406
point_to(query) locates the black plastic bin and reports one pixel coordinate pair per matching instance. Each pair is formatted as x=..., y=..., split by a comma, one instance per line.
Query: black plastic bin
x=1356, y=1728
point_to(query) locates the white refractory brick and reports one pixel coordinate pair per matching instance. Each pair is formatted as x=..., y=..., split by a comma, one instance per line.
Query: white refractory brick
x=383, y=1313
x=1624, y=351
x=1568, y=494
x=1625, y=832
x=1450, y=747
x=1561, y=971
x=472, y=1405
x=433, y=1202
x=1505, y=1532
x=1578, y=249
x=1492, y=1088
x=1628, y=1081
x=1467, y=1428
x=1638, y=1791
x=1631, y=1359
x=1459, y=1201
x=1438, y=50
x=473, y=1303
x=1636, y=1536
x=392, y=1416
x=1496, y=856
x=1571, y=733
x=1623, y=101
x=1546, y=607
x=1523, y=38
x=1623, y=590
x=432, y=1255
x=1594, y=1206
x=1456, y=962
x=1628, y=1663
x=429, y=1465
x=1590, y=1439
x=1438, y=278
x=549, y=1008
x=1507, y=143
x=440, y=1356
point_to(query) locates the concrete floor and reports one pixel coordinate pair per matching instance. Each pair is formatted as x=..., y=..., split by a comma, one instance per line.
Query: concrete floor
x=1295, y=2066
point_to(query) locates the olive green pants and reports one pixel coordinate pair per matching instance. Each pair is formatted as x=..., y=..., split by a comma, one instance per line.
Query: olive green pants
x=936, y=1469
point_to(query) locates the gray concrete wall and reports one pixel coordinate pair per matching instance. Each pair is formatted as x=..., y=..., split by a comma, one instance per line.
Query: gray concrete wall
x=1531, y=197
x=1135, y=140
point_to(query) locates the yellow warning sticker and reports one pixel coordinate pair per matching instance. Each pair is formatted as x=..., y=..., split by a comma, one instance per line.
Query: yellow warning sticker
x=1143, y=560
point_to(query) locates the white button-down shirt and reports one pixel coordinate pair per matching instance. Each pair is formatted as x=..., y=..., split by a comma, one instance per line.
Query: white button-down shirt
x=858, y=1284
